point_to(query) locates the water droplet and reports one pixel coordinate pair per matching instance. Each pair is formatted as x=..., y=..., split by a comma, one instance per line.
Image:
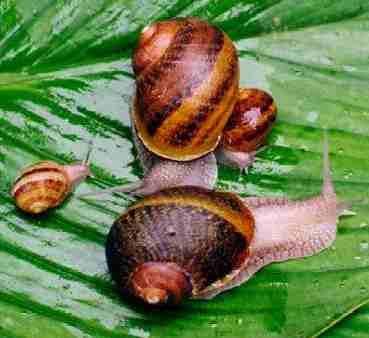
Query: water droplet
x=316, y=282
x=312, y=116
x=48, y=242
x=138, y=332
x=298, y=72
x=363, y=225
x=213, y=325
x=340, y=150
x=364, y=246
x=326, y=60
x=349, y=69
x=342, y=283
x=357, y=258
x=276, y=21
x=363, y=289
x=348, y=175
x=239, y=321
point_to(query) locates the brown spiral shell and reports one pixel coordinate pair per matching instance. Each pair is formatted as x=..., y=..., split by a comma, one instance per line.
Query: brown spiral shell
x=187, y=84
x=41, y=186
x=203, y=233
x=250, y=122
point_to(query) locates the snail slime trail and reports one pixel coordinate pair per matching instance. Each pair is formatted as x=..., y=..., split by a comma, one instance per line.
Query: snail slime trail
x=194, y=242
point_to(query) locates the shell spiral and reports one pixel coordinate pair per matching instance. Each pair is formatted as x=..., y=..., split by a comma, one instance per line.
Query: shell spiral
x=41, y=186
x=187, y=85
x=204, y=233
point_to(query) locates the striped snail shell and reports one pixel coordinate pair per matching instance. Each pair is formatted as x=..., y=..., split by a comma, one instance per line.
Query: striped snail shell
x=251, y=120
x=46, y=184
x=187, y=84
x=178, y=242
x=247, y=128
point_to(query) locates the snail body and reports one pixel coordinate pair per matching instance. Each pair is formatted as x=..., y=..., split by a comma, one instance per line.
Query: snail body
x=193, y=242
x=46, y=184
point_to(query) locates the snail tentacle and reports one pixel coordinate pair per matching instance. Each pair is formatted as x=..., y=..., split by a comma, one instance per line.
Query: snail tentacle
x=77, y=173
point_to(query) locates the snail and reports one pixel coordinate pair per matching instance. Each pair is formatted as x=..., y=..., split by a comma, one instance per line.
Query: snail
x=45, y=185
x=187, y=104
x=245, y=132
x=193, y=242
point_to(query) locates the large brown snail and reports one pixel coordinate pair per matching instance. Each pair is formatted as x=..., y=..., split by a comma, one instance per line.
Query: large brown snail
x=193, y=242
x=187, y=104
x=46, y=184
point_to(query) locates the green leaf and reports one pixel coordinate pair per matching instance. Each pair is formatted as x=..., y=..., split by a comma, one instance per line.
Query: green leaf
x=65, y=79
x=355, y=326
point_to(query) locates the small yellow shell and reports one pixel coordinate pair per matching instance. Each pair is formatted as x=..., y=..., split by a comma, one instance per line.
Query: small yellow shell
x=41, y=186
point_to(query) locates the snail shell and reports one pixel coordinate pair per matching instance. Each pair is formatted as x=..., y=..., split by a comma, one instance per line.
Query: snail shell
x=45, y=185
x=194, y=236
x=186, y=87
x=251, y=120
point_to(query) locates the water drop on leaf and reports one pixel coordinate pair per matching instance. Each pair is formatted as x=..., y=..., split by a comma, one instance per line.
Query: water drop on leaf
x=364, y=246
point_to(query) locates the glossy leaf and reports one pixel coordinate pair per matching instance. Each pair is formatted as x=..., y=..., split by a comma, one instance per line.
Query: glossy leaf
x=65, y=79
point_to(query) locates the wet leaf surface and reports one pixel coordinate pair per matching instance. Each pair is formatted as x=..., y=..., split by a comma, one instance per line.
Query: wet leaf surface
x=65, y=79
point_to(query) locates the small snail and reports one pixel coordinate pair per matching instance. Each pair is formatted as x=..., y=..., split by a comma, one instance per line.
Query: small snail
x=247, y=128
x=193, y=242
x=187, y=104
x=46, y=184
